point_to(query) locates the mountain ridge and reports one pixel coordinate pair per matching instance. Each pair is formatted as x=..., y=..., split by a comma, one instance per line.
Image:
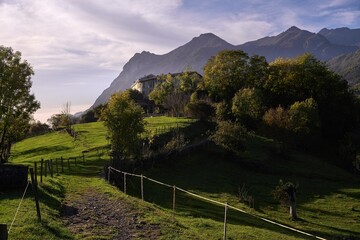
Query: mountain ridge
x=195, y=53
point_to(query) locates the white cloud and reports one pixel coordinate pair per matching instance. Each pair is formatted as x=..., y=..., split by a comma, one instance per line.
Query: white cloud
x=334, y=3
x=88, y=41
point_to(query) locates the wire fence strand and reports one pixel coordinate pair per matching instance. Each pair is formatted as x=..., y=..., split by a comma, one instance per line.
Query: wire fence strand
x=18, y=208
x=220, y=203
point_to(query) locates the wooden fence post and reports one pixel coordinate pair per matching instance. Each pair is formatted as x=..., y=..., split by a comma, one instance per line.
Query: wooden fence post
x=56, y=165
x=3, y=232
x=225, y=216
x=51, y=168
x=68, y=164
x=125, y=183
x=62, y=164
x=142, y=187
x=34, y=187
x=35, y=168
x=109, y=169
x=45, y=168
x=174, y=197
x=41, y=169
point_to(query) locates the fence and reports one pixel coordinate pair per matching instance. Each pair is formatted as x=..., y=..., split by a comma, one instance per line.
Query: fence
x=57, y=165
x=42, y=168
x=4, y=233
x=225, y=205
x=168, y=128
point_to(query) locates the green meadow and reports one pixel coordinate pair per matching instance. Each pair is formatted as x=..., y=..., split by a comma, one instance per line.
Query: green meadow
x=328, y=197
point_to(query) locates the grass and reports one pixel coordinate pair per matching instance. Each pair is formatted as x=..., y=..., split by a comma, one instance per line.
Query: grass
x=328, y=197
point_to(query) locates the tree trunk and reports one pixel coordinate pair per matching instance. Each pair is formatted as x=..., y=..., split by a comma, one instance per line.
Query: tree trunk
x=292, y=201
x=293, y=213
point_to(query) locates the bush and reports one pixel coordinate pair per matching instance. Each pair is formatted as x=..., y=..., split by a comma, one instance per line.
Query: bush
x=285, y=193
x=201, y=109
x=247, y=107
x=230, y=136
x=223, y=111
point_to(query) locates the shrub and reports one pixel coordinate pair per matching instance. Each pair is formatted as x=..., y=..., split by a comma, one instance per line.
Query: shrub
x=285, y=193
x=247, y=106
x=230, y=136
x=223, y=111
x=201, y=109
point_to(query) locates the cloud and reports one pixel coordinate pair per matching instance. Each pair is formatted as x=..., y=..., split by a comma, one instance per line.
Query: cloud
x=89, y=41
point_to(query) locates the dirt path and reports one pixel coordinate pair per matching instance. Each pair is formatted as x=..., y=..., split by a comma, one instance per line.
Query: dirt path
x=96, y=215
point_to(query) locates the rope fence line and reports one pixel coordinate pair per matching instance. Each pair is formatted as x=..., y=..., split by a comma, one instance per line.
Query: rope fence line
x=226, y=205
x=18, y=208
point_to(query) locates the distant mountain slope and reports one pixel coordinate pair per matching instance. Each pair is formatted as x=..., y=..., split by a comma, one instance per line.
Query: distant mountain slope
x=293, y=42
x=196, y=53
x=348, y=66
x=193, y=54
x=342, y=36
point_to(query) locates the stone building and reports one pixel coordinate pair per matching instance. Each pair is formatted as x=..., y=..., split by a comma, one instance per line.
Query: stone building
x=145, y=84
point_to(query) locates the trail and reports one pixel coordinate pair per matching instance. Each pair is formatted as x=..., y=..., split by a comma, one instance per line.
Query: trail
x=93, y=214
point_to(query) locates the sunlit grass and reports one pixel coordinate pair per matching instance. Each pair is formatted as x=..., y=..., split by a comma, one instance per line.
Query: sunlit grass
x=328, y=197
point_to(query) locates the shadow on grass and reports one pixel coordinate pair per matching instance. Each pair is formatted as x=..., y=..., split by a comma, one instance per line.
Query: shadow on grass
x=210, y=172
x=188, y=206
x=56, y=231
x=43, y=150
x=14, y=194
x=346, y=234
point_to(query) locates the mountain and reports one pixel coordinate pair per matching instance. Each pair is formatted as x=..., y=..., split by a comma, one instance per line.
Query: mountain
x=293, y=42
x=193, y=54
x=348, y=66
x=342, y=36
x=196, y=53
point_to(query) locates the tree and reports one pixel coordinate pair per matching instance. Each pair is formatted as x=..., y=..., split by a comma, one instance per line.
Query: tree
x=163, y=89
x=230, y=71
x=174, y=91
x=189, y=82
x=56, y=121
x=247, y=106
x=298, y=124
x=37, y=128
x=125, y=122
x=286, y=194
x=303, y=117
x=17, y=104
x=223, y=111
x=225, y=74
x=66, y=116
x=303, y=77
x=93, y=115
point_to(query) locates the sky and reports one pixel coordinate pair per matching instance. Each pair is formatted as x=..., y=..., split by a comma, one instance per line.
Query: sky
x=78, y=47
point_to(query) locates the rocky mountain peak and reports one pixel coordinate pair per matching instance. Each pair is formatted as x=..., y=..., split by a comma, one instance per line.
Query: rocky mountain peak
x=195, y=54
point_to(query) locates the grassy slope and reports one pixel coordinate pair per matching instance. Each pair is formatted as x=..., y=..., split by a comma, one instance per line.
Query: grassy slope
x=328, y=203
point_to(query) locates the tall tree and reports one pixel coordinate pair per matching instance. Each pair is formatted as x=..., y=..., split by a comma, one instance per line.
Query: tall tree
x=17, y=104
x=174, y=90
x=225, y=74
x=305, y=77
x=230, y=71
x=247, y=107
x=125, y=122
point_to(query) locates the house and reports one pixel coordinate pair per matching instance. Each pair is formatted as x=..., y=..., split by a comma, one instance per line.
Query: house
x=147, y=83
